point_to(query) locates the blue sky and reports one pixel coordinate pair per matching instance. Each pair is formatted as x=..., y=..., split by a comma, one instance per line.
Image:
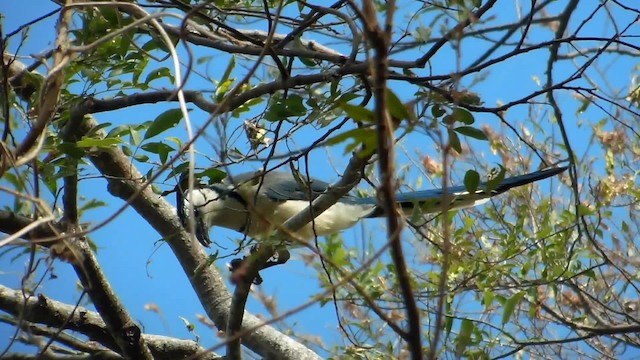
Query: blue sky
x=143, y=273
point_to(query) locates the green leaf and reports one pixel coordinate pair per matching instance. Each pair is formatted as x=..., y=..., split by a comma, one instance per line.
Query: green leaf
x=215, y=175
x=295, y=105
x=345, y=98
x=141, y=158
x=463, y=115
x=471, y=181
x=163, y=122
x=126, y=150
x=99, y=143
x=157, y=74
x=308, y=62
x=223, y=88
x=118, y=131
x=157, y=147
x=396, y=107
x=333, y=89
x=281, y=109
x=359, y=134
x=488, y=299
x=437, y=111
x=470, y=131
x=134, y=135
x=464, y=337
x=358, y=113
x=454, y=141
x=228, y=70
x=92, y=204
x=510, y=306
x=97, y=128
x=584, y=210
x=177, y=170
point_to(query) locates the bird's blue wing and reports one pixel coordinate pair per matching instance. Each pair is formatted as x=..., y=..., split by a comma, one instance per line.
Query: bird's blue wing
x=282, y=186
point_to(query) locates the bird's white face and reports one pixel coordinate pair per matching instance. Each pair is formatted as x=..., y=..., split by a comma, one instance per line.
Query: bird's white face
x=204, y=200
x=217, y=209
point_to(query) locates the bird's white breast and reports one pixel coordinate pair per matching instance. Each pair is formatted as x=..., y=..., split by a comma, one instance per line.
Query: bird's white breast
x=338, y=217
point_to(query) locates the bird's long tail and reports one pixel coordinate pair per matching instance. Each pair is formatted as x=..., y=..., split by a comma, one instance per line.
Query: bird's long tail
x=430, y=201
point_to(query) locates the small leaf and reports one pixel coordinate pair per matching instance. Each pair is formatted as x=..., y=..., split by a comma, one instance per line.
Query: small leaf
x=464, y=337
x=470, y=131
x=157, y=147
x=177, y=170
x=215, y=175
x=358, y=113
x=156, y=74
x=92, y=204
x=164, y=121
x=448, y=120
x=471, y=181
x=334, y=91
x=118, y=131
x=134, y=135
x=97, y=128
x=295, y=105
x=396, y=107
x=463, y=115
x=584, y=210
x=141, y=158
x=510, y=306
x=454, y=141
x=71, y=149
x=358, y=134
x=126, y=150
x=223, y=88
x=437, y=111
x=281, y=109
x=488, y=299
x=99, y=143
x=228, y=70
x=345, y=98
x=308, y=62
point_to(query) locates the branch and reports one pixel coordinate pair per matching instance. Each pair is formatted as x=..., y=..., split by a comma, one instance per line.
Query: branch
x=122, y=328
x=454, y=32
x=42, y=310
x=379, y=40
x=123, y=180
x=49, y=93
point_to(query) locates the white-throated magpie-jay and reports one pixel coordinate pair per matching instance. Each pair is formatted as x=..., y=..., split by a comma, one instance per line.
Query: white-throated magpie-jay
x=256, y=204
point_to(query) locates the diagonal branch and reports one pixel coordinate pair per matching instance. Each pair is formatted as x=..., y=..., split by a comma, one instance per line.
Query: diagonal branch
x=123, y=180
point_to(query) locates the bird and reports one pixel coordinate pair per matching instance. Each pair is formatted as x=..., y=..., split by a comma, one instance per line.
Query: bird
x=256, y=204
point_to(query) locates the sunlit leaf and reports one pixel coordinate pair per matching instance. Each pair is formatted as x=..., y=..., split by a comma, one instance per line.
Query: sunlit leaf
x=470, y=131
x=163, y=122
x=510, y=306
x=99, y=143
x=358, y=113
x=464, y=336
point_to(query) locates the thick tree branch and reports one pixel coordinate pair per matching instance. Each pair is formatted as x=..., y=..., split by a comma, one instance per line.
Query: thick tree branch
x=42, y=310
x=124, y=182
